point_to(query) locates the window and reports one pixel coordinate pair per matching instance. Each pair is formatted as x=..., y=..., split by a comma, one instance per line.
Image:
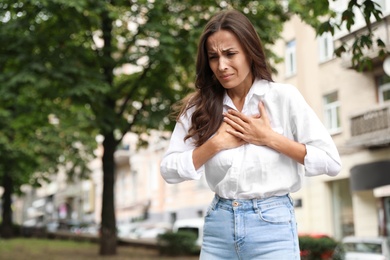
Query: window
x=384, y=89
x=290, y=60
x=135, y=184
x=343, y=220
x=363, y=247
x=332, y=112
x=385, y=226
x=297, y=203
x=384, y=93
x=325, y=42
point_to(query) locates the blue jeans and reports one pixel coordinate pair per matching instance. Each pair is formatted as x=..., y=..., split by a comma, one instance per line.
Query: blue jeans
x=250, y=229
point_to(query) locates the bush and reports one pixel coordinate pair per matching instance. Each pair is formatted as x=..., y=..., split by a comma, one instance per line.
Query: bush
x=313, y=248
x=10, y=231
x=177, y=243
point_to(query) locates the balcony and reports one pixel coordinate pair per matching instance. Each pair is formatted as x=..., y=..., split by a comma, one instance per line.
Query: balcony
x=371, y=128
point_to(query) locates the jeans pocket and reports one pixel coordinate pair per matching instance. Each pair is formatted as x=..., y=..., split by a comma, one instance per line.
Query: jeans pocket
x=210, y=209
x=275, y=213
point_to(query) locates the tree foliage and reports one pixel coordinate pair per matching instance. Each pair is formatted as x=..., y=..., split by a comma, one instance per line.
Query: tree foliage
x=36, y=135
x=325, y=19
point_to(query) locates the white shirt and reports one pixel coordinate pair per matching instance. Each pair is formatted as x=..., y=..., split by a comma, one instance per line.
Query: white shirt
x=252, y=171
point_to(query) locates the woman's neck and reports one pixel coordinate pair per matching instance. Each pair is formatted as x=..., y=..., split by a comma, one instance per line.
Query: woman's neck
x=238, y=94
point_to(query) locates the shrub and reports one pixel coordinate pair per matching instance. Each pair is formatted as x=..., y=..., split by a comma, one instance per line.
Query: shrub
x=315, y=248
x=177, y=243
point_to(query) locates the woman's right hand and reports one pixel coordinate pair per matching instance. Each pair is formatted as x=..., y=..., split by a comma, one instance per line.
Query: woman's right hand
x=226, y=140
x=222, y=140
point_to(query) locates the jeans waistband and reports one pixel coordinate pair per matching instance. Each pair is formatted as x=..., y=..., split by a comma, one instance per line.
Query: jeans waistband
x=249, y=203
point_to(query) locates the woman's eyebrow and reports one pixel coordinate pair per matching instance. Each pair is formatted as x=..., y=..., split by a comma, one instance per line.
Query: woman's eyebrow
x=228, y=49
x=224, y=50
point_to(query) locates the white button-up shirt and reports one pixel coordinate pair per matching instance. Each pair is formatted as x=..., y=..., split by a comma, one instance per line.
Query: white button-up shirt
x=252, y=171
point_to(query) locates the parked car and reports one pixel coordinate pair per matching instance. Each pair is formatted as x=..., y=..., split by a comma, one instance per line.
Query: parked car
x=52, y=226
x=363, y=248
x=125, y=230
x=152, y=232
x=193, y=225
x=142, y=230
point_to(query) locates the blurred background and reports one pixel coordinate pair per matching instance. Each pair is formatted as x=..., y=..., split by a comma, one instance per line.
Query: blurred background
x=86, y=89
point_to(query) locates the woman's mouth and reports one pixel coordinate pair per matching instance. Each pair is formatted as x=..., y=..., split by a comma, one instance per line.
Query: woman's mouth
x=225, y=77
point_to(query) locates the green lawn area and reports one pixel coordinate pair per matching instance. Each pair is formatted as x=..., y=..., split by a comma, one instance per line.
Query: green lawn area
x=50, y=249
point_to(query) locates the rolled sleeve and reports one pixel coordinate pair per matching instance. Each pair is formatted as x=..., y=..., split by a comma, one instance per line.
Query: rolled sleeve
x=177, y=164
x=178, y=167
x=322, y=156
x=318, y=162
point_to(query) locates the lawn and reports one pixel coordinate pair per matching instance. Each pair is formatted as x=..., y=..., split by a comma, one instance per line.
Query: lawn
x=47, y=249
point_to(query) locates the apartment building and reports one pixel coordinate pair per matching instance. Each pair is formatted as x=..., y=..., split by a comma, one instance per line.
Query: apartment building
x=355, y=108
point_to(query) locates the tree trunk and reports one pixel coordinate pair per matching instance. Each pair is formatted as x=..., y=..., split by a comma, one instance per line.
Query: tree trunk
x=108, y=239
x=6, y=225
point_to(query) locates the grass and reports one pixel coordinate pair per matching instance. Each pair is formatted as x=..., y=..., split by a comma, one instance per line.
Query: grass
x=48, y=249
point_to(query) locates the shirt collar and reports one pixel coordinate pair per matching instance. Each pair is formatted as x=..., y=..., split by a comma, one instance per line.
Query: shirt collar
x=259, y=88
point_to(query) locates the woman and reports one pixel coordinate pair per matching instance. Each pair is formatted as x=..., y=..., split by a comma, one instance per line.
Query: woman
x=254, y=140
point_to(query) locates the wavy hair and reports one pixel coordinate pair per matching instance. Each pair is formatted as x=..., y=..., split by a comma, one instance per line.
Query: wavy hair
x=207, y=99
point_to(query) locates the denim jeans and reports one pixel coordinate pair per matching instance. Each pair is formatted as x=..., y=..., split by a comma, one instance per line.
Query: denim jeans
x=262, y=229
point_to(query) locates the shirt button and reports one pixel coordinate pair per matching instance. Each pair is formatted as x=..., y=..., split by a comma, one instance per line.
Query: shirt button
x=235, y=203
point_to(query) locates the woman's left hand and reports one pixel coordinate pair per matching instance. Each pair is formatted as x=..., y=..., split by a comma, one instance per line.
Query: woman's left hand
x=255, y=130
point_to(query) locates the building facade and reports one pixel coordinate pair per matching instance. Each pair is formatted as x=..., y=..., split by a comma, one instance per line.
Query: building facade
x=355, y=107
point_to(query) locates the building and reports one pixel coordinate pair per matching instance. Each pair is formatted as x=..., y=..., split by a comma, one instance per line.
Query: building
x=355, y=108
x=141, y=193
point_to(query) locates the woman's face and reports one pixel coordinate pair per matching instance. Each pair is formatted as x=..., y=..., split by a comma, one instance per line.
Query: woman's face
x=228, y=61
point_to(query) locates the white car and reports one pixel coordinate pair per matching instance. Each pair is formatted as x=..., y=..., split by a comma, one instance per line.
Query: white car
x=193, y=225
x=364, y=248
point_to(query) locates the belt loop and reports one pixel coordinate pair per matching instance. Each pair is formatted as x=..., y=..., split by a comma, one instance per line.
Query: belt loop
x=255, y=205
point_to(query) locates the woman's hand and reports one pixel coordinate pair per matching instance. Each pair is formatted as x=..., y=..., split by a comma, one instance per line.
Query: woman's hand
x=257, y=130
x=254, y=130
x=222, y=140
x=225, y=139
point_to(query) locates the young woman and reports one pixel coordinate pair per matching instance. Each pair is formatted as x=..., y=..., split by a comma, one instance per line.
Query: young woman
x=254, y=140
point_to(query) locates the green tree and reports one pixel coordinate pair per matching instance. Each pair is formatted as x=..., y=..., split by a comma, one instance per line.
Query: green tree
x=322, y=18
x=34, y=138
x=74, y=53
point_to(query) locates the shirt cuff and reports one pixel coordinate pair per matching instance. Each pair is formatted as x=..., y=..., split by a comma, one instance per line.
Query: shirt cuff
x=186, y=168
x=318, y=162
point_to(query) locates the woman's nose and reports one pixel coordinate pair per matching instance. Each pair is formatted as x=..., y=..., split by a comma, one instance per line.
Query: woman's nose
x=222, y=65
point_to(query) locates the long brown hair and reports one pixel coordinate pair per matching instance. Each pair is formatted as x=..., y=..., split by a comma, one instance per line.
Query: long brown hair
x=208, y=97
